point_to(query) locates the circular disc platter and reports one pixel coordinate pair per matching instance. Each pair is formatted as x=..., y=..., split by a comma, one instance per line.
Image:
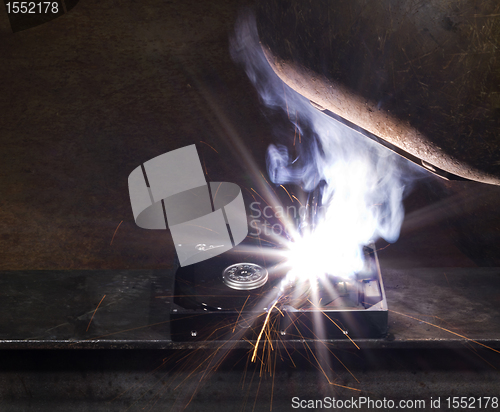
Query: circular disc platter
x=244, y=276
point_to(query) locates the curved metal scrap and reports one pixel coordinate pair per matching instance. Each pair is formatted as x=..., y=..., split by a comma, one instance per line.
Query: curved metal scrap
x=423, y=76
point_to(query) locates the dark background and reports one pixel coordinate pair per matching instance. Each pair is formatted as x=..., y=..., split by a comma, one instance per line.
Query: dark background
x=89, y=96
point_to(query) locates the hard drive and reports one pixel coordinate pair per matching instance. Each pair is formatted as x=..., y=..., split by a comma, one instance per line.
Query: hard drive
x=229, y=297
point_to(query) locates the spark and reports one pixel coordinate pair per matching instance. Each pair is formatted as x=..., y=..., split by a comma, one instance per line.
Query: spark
x=268, y=336
x=449, y=331
x=259, y=195
x=201, y=141
x=116, y=333
x=95, y=312
x=192, y=372
x=283, y=187
x=474, y=351
x=335, y=323
x=217, y=191
x=290, y=356
x=239, y=314
x=202, y=227
x=324, y=373
x=115, y=233
x=336, y=357
x=295, y=197
x=254, y=356
x=267, y=181
x=342, y=363
x=385, y=247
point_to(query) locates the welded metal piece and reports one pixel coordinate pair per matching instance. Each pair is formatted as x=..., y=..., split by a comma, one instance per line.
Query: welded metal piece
x=330, y=309
x=424, y=77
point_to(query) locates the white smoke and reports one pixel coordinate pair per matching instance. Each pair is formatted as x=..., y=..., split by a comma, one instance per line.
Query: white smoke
x=363, y=191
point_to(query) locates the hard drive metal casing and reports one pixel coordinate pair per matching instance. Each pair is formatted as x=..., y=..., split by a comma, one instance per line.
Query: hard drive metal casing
x=205, y=308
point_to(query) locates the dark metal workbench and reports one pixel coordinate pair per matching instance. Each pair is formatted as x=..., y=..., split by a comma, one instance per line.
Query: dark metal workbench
x=53, y=309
